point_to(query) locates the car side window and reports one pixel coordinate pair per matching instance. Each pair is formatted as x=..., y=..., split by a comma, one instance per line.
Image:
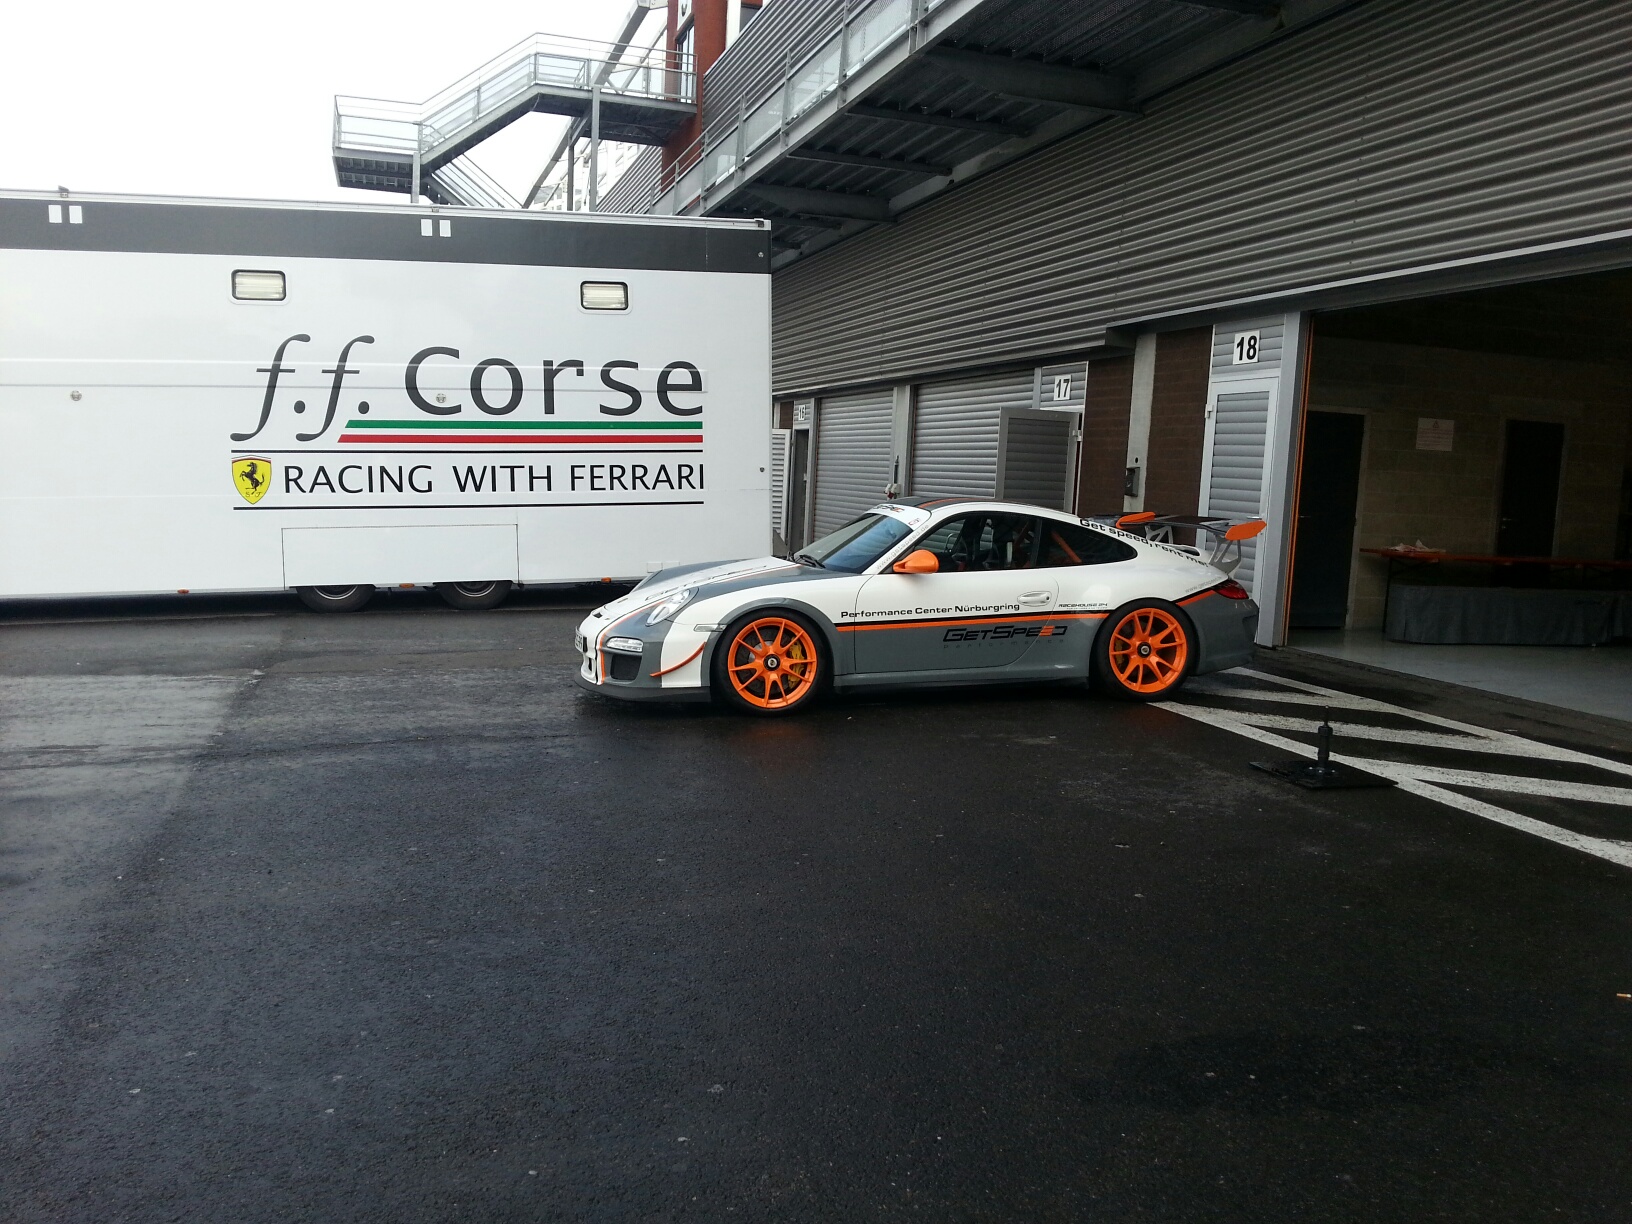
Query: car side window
x=1069, y=544
x=984, y=542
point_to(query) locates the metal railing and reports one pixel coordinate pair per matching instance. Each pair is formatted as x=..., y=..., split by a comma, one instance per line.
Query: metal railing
x=373, y=125
x=464, y=182
x=863, y=32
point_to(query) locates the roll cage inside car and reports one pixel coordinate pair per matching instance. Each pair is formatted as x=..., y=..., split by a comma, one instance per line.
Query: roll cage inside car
x=1006, y=527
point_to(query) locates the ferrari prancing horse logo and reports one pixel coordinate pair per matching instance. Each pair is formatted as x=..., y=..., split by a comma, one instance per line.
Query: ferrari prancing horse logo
x=251, y=475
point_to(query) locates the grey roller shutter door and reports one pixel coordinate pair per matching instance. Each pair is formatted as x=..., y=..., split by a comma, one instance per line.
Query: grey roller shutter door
x=955, y=431
x=1037, y=459
x=853, y=457
x=1235, y=477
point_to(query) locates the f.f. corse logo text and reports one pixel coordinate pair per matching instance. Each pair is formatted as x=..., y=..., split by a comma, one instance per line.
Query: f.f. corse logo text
x=611, y=453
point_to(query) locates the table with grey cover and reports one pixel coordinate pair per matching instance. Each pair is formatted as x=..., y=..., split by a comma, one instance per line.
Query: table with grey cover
x=1506, y=616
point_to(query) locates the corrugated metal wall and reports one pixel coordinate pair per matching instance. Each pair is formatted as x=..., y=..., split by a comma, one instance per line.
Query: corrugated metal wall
x=637, y=186
x=1392, y=136
x=853, y=455
x=784, y=32
x=955, y=432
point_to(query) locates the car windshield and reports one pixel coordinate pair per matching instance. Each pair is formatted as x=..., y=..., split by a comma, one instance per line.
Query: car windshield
x=856, y=545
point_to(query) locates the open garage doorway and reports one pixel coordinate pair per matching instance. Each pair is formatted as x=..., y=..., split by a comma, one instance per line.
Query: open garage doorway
x=1464, y=505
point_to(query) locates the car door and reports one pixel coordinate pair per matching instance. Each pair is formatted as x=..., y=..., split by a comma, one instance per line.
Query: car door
x=980, y=609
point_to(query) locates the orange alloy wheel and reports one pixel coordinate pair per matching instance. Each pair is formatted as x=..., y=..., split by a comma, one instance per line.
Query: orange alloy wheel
x=772, y=663
x=1148, y=650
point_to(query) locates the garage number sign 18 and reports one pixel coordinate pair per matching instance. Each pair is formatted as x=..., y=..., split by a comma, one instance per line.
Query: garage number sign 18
x=1246, y=348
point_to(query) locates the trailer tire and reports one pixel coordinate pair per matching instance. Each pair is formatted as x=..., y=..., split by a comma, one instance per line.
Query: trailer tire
x=473, y=596
x=335, y=598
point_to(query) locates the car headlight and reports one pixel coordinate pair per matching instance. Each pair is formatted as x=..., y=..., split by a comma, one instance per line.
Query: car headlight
x=627, y=645
x=671, y=605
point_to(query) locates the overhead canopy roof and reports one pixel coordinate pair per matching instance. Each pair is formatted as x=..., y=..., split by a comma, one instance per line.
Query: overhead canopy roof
x=888, y=111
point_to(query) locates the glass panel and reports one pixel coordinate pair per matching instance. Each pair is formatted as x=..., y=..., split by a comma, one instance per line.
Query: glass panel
x=691, y=186
x=815, y=78
x=984, y=542
x=1068, y=544
x=856, y=545
x=882, y=21
x=720, y=162
x=604, y=295
x=258, y=286
x=763, y=123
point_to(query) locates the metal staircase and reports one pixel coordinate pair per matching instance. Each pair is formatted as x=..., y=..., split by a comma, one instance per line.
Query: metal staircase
x=611, y=91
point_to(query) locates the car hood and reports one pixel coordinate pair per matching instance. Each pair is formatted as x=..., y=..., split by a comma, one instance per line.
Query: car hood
x=710, y=579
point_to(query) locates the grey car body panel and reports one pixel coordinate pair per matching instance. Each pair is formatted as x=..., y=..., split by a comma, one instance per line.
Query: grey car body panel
x=641, y=692
x=1224, y=631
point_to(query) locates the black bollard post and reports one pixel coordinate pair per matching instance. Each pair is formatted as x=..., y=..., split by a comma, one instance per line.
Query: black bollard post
x=1322, y=773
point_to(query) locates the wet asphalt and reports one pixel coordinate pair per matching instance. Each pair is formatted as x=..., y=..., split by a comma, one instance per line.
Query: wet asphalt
x=379, y=918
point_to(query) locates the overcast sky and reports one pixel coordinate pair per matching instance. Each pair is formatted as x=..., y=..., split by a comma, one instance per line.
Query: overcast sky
x=182, y=97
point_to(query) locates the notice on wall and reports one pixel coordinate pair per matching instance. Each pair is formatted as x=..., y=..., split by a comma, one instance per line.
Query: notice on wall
x=1435, y=434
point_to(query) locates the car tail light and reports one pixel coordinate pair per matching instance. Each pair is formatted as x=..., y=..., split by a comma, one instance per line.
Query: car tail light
x=1231, y=589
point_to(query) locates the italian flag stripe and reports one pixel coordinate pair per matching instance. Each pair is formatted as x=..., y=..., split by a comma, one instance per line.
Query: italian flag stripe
x=571, y=426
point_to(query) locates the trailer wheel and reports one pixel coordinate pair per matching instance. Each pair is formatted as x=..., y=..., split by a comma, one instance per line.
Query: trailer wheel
x=473, y=596
x=335, y=598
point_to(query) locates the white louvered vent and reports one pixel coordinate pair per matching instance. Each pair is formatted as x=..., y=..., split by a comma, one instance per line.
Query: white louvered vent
x=1235, y=477
x=781, y=443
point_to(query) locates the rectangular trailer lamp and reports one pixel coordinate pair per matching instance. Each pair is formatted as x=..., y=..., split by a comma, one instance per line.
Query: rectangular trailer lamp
x=604, y=295
x=258, y=286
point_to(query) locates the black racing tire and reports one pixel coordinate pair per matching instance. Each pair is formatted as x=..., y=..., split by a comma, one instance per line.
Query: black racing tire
x=1144, y=651
x=335, y=598
x=473, y=596
x=754, y=680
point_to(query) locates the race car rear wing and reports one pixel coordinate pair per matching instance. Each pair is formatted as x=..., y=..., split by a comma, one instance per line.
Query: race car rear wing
x=1226, y=536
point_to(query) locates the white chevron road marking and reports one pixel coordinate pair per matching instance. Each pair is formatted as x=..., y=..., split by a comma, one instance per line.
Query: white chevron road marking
x=1324, y=698
x=1426, y=781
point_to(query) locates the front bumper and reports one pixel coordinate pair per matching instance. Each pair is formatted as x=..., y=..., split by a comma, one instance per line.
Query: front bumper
x=670, y=666
x=638, y=692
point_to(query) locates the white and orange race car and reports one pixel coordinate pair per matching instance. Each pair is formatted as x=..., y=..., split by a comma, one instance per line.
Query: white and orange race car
x=935, y=591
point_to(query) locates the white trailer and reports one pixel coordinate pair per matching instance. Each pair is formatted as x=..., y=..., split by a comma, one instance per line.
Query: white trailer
x=205, y=395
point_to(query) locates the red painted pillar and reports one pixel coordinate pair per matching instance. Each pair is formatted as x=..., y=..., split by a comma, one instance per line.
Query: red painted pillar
x=706, y=44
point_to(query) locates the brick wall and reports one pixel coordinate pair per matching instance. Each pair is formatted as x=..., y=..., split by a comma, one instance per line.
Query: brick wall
x=1104, y=454
x=1178, y=421
x=1450, y=499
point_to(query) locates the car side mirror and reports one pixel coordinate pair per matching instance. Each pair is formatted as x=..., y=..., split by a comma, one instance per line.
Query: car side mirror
x=920, y=561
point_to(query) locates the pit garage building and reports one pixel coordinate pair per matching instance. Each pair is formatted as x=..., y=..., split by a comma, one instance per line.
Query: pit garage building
x=1360, y=267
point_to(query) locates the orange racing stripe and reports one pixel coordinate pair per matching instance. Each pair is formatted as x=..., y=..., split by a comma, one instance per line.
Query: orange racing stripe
x=680, y=664
x=979, y=620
